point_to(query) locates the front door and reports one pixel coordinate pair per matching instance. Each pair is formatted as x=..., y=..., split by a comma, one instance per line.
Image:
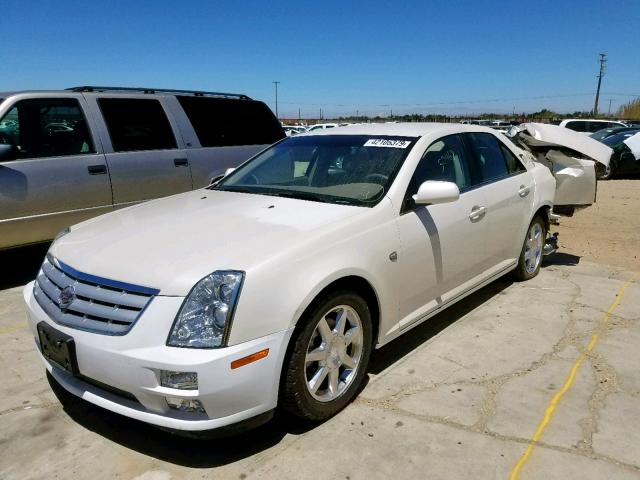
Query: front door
x=54, y=175
x=442, y=246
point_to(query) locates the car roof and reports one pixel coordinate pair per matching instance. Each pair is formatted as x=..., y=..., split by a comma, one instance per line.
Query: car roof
x=409, y=129
x=602, y=120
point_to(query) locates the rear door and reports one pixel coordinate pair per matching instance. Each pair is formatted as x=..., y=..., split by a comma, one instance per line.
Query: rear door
x=56, y=174
x=145, y=156
x=508, y=188
x=223, y=132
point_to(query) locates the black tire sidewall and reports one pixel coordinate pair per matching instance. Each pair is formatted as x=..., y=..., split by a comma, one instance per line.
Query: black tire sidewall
x=295, y=397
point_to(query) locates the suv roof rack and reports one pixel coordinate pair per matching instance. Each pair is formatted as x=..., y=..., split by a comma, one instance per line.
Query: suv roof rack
x=197, y=93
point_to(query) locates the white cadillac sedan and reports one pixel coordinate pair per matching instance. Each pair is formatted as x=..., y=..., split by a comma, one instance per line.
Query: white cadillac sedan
x=271, y=287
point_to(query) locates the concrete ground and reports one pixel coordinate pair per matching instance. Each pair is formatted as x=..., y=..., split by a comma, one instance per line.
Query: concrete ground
x=461, y=396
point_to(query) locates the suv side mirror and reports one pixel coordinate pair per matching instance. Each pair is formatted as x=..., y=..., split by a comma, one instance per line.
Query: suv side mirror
x=432, y=192
x=228, y=171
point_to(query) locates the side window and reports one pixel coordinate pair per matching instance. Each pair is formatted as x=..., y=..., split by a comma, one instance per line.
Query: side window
x=444, y=160
x=47, y=127
x=137, y=124
x=222, y=122
x=490, y=158
x=513, y=164
x=578, y=126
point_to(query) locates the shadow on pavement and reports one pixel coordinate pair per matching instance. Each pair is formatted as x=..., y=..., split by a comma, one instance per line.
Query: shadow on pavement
x=176, y=449
x=561, y=258
x=20, y=265
x=405, y=344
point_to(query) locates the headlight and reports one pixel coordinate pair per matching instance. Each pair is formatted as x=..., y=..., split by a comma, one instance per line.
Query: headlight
x=205, y=317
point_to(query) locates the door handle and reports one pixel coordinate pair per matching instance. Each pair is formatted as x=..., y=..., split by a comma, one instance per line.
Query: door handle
x=180, y=162
x=477, y=213
x=97, y=169
x=524, y=191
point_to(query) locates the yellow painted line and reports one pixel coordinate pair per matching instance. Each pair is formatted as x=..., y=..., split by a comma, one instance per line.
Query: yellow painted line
x=555, y=400
x=13, y=328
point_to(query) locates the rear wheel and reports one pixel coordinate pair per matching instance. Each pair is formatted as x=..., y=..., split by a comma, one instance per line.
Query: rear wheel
x=329, y=357
x=605, y=173
x=531, y=255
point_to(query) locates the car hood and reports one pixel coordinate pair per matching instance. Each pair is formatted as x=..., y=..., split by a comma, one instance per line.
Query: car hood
x=171, y=243
x=545, y=135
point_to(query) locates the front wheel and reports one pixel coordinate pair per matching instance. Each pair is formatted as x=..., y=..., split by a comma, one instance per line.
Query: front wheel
x=532, y=250
x=329, y=357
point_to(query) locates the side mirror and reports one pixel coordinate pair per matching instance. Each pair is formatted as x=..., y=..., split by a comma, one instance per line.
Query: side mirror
x=432, y=192
x=7, y=152
x=228, y=171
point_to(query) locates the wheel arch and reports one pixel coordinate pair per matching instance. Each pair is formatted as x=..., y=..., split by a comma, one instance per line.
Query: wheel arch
x=543, y=211
x=353, y=282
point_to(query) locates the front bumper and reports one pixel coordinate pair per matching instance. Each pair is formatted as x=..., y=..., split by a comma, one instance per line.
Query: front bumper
x=131, y=364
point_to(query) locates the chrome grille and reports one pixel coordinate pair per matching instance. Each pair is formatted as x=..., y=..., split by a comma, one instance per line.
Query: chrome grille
x=98, y=305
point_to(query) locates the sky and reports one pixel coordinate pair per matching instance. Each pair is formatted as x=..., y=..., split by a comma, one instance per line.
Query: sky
x=370, y=58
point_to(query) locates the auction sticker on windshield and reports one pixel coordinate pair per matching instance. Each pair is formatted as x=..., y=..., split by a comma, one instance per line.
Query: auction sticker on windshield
x=383, y=142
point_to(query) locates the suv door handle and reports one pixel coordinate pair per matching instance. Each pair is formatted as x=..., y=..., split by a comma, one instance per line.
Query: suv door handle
x=477, y=213
x=97, y=169
x=181, y=162
x=524, y=191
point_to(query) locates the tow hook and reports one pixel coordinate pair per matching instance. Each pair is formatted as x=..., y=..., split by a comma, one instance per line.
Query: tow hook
x=550, y=244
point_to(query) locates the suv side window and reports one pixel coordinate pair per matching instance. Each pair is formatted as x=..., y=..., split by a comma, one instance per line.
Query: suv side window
x=490, y=157
x=137, y=124
x=46, y=127
x=223, y=122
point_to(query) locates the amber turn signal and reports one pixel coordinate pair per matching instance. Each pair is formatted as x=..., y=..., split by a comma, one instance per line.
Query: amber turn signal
x=241, y=362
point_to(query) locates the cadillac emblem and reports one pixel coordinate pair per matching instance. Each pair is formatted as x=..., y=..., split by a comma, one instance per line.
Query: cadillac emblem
x=66, y=297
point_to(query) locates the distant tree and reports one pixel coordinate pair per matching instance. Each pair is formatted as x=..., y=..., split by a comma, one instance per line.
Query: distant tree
x=630, y=110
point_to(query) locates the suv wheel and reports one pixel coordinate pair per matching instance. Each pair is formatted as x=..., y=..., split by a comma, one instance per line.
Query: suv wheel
x=329, y=357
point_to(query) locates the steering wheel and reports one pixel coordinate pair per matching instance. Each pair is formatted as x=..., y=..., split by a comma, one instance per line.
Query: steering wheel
x=378, y=178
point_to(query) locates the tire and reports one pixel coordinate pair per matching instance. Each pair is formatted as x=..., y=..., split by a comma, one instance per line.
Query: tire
x=529, y=263
x=317, y=352
x=605, y=173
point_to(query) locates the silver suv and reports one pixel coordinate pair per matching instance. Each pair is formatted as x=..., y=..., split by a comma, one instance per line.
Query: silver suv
x=69, y=155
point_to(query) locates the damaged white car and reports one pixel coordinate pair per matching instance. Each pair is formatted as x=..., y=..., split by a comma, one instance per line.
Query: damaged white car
x=270, y=288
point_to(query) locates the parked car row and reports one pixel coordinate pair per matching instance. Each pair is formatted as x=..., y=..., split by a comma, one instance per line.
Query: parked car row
x=66, y=156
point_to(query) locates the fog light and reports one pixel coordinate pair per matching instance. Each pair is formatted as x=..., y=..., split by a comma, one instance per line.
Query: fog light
x=185, y=404
x=179, y=380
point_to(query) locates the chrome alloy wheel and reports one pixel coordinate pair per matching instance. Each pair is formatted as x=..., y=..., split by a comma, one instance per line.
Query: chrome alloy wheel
x=533, y=248
x=334, y=353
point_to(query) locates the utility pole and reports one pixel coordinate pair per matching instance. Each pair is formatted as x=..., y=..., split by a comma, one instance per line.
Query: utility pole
x=609, y=112
x=299, y=115
x=603, y=60
x=276, y=84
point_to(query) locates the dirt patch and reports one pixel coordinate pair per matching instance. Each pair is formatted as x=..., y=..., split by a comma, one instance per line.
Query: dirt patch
x=609, y=231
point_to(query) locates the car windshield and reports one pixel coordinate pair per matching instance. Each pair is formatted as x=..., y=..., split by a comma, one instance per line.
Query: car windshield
x=342, y=169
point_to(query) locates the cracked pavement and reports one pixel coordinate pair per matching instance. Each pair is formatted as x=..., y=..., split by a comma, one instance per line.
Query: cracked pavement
x=460, y=395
